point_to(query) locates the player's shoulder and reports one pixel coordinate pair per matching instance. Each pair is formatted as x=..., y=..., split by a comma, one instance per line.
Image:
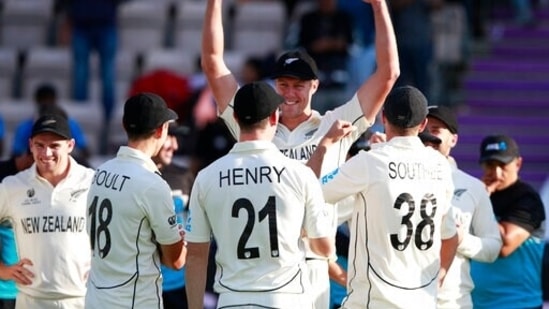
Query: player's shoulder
x=470, y=180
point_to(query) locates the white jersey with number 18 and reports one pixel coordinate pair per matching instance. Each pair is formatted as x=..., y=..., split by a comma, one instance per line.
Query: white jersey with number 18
x=130, y=212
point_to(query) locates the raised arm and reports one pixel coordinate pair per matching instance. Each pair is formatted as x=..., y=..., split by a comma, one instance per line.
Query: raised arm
x=220, y=79
x=374, y=90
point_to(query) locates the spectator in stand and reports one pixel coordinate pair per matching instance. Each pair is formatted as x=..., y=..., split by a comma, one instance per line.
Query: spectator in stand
x=45, y=100
x=180, y=180
x=326, y=33
x=413, y=30
x=513, y=280
x=2, y=135
x=93, y=27
x=362, y=59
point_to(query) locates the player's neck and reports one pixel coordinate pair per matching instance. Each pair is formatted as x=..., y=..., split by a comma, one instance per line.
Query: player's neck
x=147, y=146
x=293, y=122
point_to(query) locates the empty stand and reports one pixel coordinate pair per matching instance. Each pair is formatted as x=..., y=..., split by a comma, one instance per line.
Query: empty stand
x=25, y=23
x=176, y=60
x=142, y=24
x=8, y=67
x=258, y=27
x=52, y=65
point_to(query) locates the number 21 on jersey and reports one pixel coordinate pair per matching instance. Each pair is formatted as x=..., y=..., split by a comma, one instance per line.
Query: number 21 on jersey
x=243, y=207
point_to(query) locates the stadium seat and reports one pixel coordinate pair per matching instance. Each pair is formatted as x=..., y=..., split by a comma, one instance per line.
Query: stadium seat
x=188, y=25
x=258, y=27
x=25, y=23
x=47, y=64
x=176, y=60
x=8, y=67
x=142, y=25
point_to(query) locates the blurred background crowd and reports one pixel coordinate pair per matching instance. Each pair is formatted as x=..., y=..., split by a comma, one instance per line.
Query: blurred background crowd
x=485, y=59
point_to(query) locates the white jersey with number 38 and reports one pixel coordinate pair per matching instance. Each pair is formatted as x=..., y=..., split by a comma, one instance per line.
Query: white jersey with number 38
x=401, y=215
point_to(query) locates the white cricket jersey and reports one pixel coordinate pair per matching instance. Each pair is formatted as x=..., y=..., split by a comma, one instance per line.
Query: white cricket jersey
x=401, y=215
x=301, y=142
x=256, y=202
x=50, y=229
x=482, y=242
x=130, y=213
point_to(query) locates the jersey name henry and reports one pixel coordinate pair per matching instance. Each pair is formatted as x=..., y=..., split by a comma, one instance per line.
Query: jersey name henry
x=253, y=175
x=301, y=153
x=413, y=170
x=109, y=180
x=50, y=224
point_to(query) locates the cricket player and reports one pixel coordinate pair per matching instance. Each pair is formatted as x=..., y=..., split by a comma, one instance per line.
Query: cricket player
x=131, y=218
x=478, y=232
x=256, y=202
x=300, y=127
x=403, y=236
x=46, y=204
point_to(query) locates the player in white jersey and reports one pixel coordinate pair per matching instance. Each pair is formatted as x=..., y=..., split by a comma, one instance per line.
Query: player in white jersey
x=478, y=232
x=47, y=206
x=403, y=236
x=131, y=218
x=301, y=128
x=256, y=202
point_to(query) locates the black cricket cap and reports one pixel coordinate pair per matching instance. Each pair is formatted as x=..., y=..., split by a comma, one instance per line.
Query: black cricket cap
x=501, y=148
x=427, y=137
x=296, y=64
x=446, y=115
x=144, y=112
x=255, y=101
x=54, y=123
x=405, y=107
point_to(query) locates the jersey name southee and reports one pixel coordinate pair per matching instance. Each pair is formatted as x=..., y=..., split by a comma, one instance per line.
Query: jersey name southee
x=51, y=224
x=414, y=170
x=301, y=153
x=250, y=175
x=109, y=180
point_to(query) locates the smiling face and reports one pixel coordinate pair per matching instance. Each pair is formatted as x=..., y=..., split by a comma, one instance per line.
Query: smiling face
x=51, y=153
x=297, y=94
x=165, y=155
x=440, y=130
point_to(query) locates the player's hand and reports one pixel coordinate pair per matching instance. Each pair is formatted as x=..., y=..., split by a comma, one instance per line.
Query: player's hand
x=339, y=130
x=491, y=183
x=377, y=137
x=17, y=272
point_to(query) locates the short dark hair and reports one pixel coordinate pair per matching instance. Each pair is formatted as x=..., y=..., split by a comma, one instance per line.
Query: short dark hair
x=44, y=91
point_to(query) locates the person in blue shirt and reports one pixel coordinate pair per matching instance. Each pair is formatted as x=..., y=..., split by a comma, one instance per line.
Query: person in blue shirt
x=8, y=256
x=180, y=179
x=8, y=250
x=45, y=99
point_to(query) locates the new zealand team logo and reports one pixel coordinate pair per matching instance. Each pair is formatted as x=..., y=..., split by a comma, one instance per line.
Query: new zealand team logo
x=76, y=194
x=459, y=192
x=30, y=192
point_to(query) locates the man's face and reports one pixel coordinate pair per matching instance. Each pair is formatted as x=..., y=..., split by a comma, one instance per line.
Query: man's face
x=165, y=155
x=440, y=130
x=51, y=153
x=297, y=94
x=500, y=175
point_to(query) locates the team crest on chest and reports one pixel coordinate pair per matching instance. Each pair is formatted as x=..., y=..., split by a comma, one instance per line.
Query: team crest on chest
x=31, y=199
x=310, y=134
x=76, y=194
